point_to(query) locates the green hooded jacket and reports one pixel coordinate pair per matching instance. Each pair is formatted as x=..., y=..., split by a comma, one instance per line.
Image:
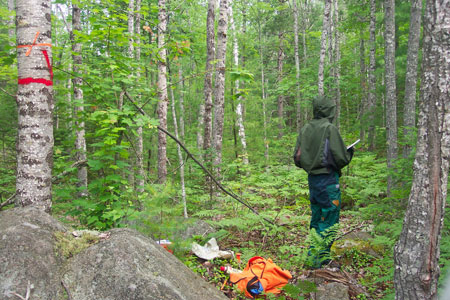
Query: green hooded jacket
x=320, y=148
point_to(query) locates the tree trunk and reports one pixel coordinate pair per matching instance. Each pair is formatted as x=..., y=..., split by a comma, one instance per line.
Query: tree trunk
x=162, y=92
x=180, y=154
x=77, y=82
x=337, y=72
x=409, y=112
x=297, y=67
x=208, y=90
x=323, y=46
x=239, y=107
x=140, y=134
x=417, y=252
x=263, y=95
x=219, y=88
x=371, y=97
x=391, y=98
x=280, y=99
x=363, y=84
x=34, y=104
x=201, y=123
x=10, y=24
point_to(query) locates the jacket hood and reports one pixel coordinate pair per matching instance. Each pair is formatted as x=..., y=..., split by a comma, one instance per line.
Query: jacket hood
x=324, y=107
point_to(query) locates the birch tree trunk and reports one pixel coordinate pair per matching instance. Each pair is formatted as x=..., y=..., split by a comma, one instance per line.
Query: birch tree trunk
x=280, y=99
x=219, y=88
x=239, y=107
x=162, y=92
x=323, y=46
x=337, y=72
x=140, y=134
x=77, y=82
x=297, y=66
x=263, y=95
x=409, y=112
x=371, y=96
x=10, y=24
x=417, y=252
x=34, y=104
x=391, y=98
x=180, y=154
x=208, y=90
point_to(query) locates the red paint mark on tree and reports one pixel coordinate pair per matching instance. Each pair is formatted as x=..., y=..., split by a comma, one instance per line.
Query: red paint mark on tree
x=29, y=80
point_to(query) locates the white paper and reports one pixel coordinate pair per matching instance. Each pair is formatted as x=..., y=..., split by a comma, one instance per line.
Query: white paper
x=352, y=145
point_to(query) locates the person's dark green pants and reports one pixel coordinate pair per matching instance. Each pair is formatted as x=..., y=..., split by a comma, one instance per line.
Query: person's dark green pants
x=325, y=199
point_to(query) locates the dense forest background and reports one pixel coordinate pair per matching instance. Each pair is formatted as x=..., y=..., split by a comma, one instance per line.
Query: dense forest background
x=235, y=95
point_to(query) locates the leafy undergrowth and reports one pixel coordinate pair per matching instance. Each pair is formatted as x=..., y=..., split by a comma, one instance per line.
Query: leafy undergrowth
x=369, y=271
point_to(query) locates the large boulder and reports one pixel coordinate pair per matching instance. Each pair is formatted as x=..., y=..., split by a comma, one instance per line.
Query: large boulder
x=123, y=264
x=27, y=256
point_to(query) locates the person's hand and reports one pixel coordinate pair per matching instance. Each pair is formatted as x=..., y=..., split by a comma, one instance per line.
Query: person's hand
x=351, y=151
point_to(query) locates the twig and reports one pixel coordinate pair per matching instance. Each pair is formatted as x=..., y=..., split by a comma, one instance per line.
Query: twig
x=350, y=231
x=67, y=290
x=7, y=93
x=27, y=296
x=190, y=155
x=10, y=200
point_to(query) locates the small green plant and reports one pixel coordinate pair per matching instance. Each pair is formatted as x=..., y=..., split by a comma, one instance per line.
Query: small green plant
x=68, y=246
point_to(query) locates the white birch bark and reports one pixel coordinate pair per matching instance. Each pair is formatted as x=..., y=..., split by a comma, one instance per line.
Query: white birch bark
x=323, y=46
x=297, y=66
x=180, y=154
x=140, y=134
x=219, y=88
x=263, y=95
x=409, y=108
x=417, y=252
x=162, y=92
x=208, y=90
x=239, y=107
x=11, y=8
x=34, y=104
x=280, y=99
x=391, y=98
x=77, y=82
x=337, y=72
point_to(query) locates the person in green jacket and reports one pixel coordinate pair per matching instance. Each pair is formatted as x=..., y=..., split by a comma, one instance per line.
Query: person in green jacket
x=321, y=152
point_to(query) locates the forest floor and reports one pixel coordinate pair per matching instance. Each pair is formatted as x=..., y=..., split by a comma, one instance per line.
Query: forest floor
x=356, y=262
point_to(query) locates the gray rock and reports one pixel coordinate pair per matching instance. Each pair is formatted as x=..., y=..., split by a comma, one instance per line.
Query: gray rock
x=129, y=266
x=126, y=265
x=195, y=227
x=332, y=291
x=27, y=255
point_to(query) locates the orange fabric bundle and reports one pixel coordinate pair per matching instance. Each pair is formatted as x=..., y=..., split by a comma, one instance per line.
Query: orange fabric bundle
x=271, y=276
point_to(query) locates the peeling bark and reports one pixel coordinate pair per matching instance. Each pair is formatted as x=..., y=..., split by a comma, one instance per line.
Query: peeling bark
x=416, y=254
x=323, y=46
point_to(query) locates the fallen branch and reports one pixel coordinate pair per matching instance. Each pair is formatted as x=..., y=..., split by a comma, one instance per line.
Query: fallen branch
x=67, y=290
x=350, y=231
x=27, y=296
x=190, y=155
